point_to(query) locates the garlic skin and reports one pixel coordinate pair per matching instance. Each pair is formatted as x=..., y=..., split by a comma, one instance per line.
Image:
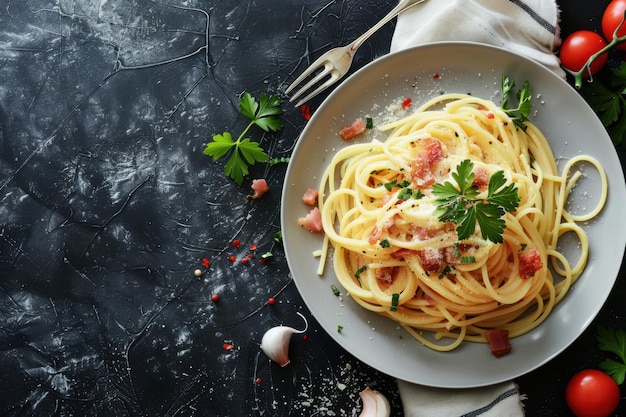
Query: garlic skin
x=275, y=342
x=375, y=404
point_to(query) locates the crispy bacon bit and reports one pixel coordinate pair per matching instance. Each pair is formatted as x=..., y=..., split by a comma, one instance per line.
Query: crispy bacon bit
x=375, y=236
x=499, y=341
x=355, y=129
x=260, y=187
x=386, y=274
x=422, y=166
x=422, y=233
x=481, y=177
x=454, y=254
x=310, y=197
x=529, y=263
x=378, y=233
x=313, y=221
x=403, y=253
x=431, y=259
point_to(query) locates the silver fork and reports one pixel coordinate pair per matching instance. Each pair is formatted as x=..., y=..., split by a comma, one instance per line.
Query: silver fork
x=336, y=62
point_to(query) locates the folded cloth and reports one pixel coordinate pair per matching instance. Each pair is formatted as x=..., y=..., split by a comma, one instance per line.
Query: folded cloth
x=526, y=27
x=500, y=400
x=529, y=28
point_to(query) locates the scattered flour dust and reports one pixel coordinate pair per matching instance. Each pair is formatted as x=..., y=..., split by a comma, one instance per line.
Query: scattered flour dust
x=336, y=393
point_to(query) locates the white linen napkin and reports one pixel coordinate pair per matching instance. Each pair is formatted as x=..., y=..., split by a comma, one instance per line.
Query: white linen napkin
x=499, y=400
x=529, y=28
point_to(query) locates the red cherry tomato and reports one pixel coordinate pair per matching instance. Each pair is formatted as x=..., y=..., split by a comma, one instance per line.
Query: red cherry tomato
x=612, y=18
x=578, y=47
x=592, y=393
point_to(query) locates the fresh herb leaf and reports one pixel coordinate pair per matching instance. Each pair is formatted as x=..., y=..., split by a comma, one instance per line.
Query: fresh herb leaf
x=613, y=340
x=468, y=259
x=335, y=290
x=609, y=101
x=395, y=299
x=369, y=123
x=278, y=237
x=460, y=204
x=417, y=194
x=359, y=271
x=405, y=194
x=276, y=161
x=389, y=185
x=445, y=271
x=244, y=152
x=520, y=114
x=263, y=113
x=339, y=328
x=385, y=243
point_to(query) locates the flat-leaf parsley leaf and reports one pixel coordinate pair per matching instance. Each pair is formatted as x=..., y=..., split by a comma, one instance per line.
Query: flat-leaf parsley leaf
x=520, y=114
x=263, y=113
x=608, y=100
x=463, y=206
x=614, y=341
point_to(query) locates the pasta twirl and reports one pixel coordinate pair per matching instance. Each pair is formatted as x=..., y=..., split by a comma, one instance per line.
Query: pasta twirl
x=394, y=256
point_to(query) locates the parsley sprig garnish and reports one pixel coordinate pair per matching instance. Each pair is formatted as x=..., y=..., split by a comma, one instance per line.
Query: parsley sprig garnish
x=608, y=100
x=520, y=114
x=614, y=341
x=263, y=113
x=461, y=204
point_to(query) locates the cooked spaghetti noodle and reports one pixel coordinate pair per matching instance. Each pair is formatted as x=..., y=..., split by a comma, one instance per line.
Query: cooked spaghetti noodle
x=394, y=256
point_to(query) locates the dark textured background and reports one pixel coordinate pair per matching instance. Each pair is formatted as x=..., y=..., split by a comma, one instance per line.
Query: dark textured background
x=107, y=206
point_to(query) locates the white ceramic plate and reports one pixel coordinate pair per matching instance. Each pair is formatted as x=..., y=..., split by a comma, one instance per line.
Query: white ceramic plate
x=421, y=73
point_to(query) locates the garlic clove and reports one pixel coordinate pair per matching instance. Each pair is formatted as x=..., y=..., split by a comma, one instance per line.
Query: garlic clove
x=275, y=342
x=375, y=404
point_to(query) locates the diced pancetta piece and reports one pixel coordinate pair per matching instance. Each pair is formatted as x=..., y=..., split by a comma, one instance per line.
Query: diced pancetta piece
x=260, y=187
x=310, y=197
x=422, y=166
x=499, y=341
x=403, y=253
x=529, y=263
x=355, y=129
x=431, y=259
x=377, y=233
x=481, y=177
x=386, y=274
x=312, y=221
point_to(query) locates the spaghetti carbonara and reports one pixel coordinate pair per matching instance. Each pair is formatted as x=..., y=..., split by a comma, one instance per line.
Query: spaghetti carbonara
x=394, y=256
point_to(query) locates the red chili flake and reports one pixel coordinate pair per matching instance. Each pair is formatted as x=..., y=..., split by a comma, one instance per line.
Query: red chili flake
x=490, y=115
x=232, y=258
x=228, y=346
x=271, y=301
x=253, y=247
x=244, y=261
x=258, y=381
x=215, y=298
x=407, y=103
x=250, y=256
x=305, y=337
x=305, y=109
x=436, y=76
x=262, y=261
x=206, y=262
x=236, y=243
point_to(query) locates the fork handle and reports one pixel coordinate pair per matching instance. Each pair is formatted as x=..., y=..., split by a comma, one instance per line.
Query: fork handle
x=402, y=6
